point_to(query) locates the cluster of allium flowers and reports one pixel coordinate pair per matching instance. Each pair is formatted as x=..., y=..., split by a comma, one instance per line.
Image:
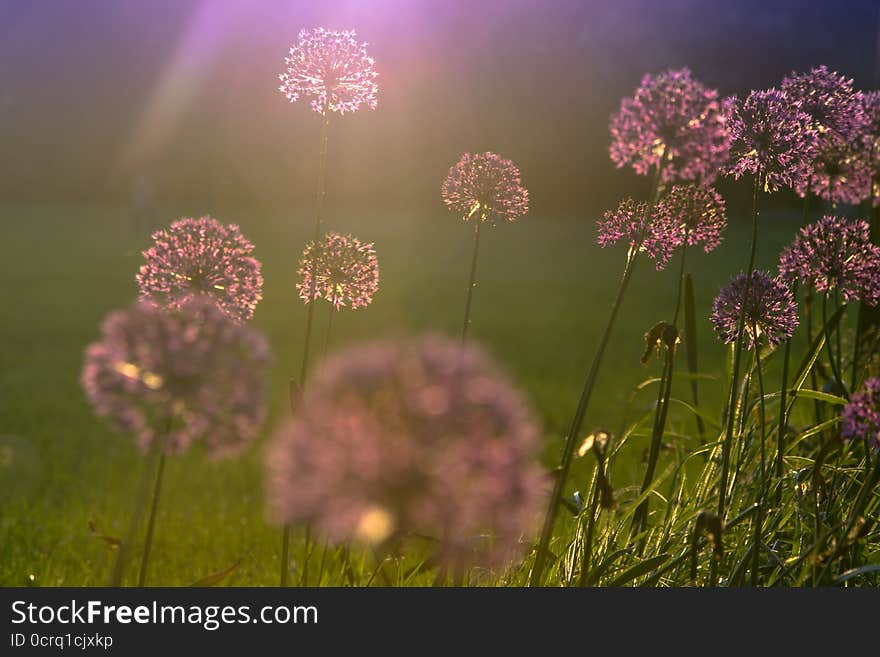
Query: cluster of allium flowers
x=692, y=212
x=417, y=437
x=332, y=69
x=772, y=138
x=837, y=117
x=202, y=256
x=340, y=269
x=835, y=253
x=632, y=222
x=174, y=377
x=674, y=120
x=770, y=311
x=485, y=186
x=861, y=416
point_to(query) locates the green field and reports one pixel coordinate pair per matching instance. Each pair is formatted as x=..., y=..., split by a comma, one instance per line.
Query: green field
x=542, y=299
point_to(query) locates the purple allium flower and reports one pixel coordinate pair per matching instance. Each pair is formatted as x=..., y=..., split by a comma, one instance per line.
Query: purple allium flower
x=487, y=186
x=838, y=119
x=411, y=437
x=341, y=270
x=861, y=416
x=771, y=311
x=695, y=211
x=332, y=69
x=673, y=119
x=202, y=256
x=173, y=377
x=772, y=137
x=631, y=222
x=835, y=253
x=870, y=144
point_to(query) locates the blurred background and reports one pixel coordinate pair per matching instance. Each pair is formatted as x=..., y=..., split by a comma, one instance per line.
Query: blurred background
x=103, y=101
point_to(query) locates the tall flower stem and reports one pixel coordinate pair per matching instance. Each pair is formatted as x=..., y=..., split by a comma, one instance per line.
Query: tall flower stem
x=571, y=439
x=737, y=356
x=472, y=281
x=151, y=522
x=783, y=411
x=640, y=517
x=310, y=317
x=759, y=520
x=833, y=359
x=574, y=431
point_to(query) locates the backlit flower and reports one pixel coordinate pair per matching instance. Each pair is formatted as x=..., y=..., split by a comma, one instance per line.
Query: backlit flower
x=411, y=437
x=770, y=311
x=202, y=256
x=674, y=120
x=860, y=419
x=487, y=187
x=632, y=223
x=340, y=269
x=772, y=138
x=835, y=253
x=694, y=211
x=332, y=70
x=175, y=377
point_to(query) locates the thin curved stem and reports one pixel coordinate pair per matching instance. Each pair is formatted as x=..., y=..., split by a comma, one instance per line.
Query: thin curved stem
x=737, y=356
x=472, y=281
x=151, y=522
x=759, y=520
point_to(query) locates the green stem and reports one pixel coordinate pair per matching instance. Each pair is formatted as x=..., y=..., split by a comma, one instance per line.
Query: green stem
x=783, y=411
x=320, y=193
x=759, y=520
x=151, y=523
x=737, y=356
x=472, y=281
x=831, y=356
x=574, y=430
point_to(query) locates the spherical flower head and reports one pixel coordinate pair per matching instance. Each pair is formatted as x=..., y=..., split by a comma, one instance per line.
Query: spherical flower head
x=692, y=212
x=830, y=102
x=332, y=69
x=631, y=222
x=835, y=253
x=770, y=311
x=340, y=269
x=487, y=187
x=838, y=120
x=869, y=145
x=202, y=256
x=175, y=377
x=860, y=419
x=772, y=138
x=675, y=121
x=411, y=437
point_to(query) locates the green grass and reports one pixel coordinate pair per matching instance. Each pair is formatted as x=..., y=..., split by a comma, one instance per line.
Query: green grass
x=543, y=296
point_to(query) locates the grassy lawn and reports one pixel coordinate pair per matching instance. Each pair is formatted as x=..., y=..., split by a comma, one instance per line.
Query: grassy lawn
x=542, y=299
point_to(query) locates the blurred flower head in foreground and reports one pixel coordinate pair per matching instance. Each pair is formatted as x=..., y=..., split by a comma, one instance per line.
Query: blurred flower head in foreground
x=202, y=256
x=772, y=138
x=692, y=212
x=411, y=438
x=861, y=416
x=837, y=117
x=675, y=121
x=770, y=314
x=487, y=187
x=332, y=69
x=173, y=377
x=835, y=253
x=341, y=270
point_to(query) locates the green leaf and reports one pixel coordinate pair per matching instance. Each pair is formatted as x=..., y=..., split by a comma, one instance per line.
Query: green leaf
x=857, y=572
x=641, y=568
